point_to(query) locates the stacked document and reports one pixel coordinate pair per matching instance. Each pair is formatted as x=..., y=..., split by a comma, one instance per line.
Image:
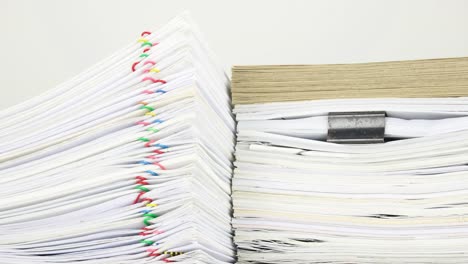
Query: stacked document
x=300, y=199
x=414, y=79
x=128, y=162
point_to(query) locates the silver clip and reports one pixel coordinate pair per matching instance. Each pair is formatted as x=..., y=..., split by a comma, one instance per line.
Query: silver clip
x=356, y=127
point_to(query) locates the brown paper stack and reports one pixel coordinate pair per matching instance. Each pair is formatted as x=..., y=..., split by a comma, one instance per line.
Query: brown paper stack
x=418, y=78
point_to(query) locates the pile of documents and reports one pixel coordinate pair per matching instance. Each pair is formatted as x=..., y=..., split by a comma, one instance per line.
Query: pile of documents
x=300, y=199
x=128, y=162
x=131, y=162
x=410, y=79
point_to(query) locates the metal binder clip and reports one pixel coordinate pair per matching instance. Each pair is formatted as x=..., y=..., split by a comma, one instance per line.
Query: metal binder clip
x=356, y=127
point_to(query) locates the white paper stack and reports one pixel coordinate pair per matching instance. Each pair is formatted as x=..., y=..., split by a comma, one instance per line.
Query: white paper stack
x=128, y=162
x=300, y=199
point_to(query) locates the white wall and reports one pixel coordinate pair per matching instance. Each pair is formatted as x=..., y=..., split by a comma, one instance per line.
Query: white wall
x=45, y=42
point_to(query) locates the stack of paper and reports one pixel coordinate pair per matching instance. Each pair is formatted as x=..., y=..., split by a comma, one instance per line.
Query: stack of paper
x=300, y=199
x=415, y=79
x=129, y=162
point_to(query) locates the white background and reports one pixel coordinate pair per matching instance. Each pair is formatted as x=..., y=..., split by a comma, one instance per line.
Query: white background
x=45, y=42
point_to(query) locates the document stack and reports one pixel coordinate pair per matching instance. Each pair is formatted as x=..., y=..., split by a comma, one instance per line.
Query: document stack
x=128, y=162
x=307, y=190
x=409, y=79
